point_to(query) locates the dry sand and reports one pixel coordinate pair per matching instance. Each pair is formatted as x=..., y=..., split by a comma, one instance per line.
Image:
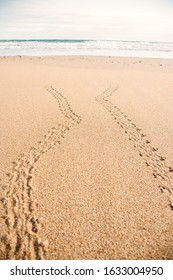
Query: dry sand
x=86, y=158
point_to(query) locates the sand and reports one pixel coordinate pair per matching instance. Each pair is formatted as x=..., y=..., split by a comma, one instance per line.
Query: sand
x=86, y=158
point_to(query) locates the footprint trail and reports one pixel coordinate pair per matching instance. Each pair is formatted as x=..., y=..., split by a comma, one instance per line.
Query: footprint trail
x=156, y=163
x=22, y=240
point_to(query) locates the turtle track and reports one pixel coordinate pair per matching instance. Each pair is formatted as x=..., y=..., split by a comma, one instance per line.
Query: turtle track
x=64, y=106
x=23, y=228
x=156, y=163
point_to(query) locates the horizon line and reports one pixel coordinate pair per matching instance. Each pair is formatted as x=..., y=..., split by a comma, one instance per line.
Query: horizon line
x=117, y=40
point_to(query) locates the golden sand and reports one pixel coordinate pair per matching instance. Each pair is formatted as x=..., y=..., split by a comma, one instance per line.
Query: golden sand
x=86, y=168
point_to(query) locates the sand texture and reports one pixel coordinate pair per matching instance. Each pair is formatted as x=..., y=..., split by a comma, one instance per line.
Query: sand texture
x=86, y=169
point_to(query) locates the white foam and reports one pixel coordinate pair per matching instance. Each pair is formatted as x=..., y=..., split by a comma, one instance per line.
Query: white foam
x=86, y=47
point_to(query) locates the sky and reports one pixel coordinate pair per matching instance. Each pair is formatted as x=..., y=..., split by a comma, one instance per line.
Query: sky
x=137, y=20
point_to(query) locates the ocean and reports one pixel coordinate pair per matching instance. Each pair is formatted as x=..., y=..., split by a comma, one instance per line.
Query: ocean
x=86, y=47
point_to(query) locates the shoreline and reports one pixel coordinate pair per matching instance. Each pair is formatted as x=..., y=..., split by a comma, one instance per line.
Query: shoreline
x=85, y=56
x=89, y=48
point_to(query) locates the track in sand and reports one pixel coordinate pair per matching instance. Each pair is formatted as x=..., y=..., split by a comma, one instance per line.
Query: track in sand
x=23, y=228
x=156, y=163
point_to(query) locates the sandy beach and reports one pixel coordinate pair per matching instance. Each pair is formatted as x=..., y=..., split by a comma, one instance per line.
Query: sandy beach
x=86, y=169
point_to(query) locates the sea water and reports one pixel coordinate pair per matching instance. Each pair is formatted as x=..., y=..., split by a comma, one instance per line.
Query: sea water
x=86, y=47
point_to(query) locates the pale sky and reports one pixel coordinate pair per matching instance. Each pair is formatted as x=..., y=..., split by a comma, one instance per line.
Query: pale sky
x=145, y=20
